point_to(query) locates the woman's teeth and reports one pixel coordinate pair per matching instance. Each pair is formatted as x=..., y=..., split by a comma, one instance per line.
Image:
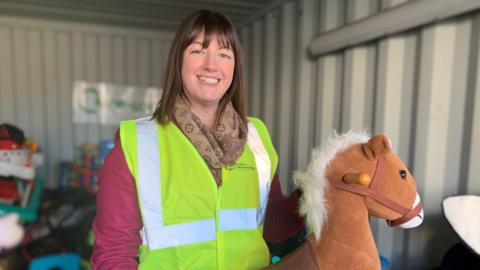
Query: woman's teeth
x=208, y=80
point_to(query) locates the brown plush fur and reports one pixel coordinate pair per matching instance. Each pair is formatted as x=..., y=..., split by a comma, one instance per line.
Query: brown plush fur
x=345, y=241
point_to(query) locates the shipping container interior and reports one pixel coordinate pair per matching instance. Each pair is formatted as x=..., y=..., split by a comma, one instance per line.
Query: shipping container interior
x=407, y=69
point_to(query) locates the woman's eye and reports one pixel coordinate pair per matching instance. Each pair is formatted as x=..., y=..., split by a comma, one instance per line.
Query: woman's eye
x=224, y=55
x=196, y=52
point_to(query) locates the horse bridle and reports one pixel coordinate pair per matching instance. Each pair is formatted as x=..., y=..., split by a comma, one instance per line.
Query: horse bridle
x=372, y=192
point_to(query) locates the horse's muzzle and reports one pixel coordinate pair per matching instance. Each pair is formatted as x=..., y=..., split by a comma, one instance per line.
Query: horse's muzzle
x=411, y=219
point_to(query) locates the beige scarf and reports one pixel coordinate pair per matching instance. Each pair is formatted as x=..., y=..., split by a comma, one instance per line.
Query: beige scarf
x=221, y=145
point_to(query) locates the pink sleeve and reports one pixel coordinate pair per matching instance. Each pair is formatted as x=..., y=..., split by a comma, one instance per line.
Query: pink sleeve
x=117, y=222
x=282, y=219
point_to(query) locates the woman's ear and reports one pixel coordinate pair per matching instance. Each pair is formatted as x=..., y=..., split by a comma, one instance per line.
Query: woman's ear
x=377, y=146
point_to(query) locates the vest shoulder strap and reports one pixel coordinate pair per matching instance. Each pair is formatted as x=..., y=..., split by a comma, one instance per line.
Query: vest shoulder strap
x=128, y=140
x=267, y=142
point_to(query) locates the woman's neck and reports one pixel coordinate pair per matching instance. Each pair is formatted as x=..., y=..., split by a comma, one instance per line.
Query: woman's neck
x=207, y=114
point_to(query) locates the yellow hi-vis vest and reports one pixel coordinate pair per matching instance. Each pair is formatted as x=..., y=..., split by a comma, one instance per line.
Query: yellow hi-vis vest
x=189, y=223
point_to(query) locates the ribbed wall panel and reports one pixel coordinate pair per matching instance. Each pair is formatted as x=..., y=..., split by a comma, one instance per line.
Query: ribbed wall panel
x=305, y=83
x=270, y=86
x=420, y=87
x=255, y=67
x=285, y=94
x=40, y=60
x=329, y=78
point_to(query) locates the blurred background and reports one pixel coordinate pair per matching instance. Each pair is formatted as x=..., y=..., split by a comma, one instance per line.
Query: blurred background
x=70, y=70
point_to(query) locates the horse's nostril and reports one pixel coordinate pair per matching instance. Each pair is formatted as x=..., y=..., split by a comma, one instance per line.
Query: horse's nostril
x=403, y=174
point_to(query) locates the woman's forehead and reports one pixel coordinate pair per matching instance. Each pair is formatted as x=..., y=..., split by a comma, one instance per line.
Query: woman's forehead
x=205, y=37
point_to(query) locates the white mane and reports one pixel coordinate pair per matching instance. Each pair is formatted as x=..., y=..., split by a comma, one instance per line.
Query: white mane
x=313, y=183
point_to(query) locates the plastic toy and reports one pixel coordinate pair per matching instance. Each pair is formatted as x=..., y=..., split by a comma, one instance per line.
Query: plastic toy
x=21, y=190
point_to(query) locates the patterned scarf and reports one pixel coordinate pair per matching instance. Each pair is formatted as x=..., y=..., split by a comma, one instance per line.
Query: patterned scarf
x=221, y=145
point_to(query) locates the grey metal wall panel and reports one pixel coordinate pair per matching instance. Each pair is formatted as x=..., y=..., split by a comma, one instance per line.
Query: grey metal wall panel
x=36, y=91
x=255, y=92
x=359, y=9
x=78, y=73
x=359, y=74
x=144, y=66
x=442, y=165
x=391, y=3
x=245, y=35
x=329, y=78
x=7, y=100
x=286, y=91
x=393, y=116
x=105, y=73
x=458, y=88
x=119, y=60
x=159, y=52
x=64, y=79
x=419, y=87
x=40, y=60
x=270, y=67
x=90, y=43
x=131, y=65
x=52, y=93
x=20, y=75
x=305, y=83
x=473, y=183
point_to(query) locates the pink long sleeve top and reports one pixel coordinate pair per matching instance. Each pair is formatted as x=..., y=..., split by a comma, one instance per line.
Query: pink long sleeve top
x=118, y=221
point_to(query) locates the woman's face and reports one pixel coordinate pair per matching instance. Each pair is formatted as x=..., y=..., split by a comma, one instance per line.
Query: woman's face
x=206, y=72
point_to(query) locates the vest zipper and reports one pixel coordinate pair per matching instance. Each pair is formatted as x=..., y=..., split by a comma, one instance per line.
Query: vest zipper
x=218, y=199
x=220, y=255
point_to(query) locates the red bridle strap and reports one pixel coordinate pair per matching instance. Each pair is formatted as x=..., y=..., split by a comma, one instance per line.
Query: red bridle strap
x=372, y=192
x=403, y=219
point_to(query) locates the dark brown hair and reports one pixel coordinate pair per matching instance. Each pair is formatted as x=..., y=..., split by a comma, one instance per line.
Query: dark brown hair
x=214, y=24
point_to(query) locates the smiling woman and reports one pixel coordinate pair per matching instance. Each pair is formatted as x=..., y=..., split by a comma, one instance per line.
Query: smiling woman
x=207, y=73
x=205, y=48
x=189, y=186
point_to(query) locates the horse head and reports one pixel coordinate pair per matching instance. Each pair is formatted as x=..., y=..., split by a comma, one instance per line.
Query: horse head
x=374, y=171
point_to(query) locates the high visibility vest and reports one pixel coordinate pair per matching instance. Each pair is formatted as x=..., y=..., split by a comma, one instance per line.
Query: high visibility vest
x=189, y=223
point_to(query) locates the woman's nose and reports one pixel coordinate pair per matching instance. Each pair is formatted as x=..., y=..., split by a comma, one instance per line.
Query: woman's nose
x=210, y=62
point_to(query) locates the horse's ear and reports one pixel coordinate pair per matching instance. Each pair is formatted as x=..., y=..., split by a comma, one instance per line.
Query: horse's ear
x=377, y=146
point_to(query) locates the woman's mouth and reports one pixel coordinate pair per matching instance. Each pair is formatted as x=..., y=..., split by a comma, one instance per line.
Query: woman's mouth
x=208, y=80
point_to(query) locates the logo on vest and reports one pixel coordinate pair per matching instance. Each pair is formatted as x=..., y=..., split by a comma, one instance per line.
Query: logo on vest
x=239, y=167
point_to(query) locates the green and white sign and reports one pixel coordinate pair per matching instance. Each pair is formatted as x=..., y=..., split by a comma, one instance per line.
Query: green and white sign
x=108, y=104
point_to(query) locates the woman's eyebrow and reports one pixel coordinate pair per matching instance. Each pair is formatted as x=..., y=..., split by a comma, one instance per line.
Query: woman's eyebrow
x=197, y=42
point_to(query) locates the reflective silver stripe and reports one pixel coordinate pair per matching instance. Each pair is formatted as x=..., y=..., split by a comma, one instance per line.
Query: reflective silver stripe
x=155, y=234
x=238, y=219
x=263, y=168
x=181, y=234
x=144, y=236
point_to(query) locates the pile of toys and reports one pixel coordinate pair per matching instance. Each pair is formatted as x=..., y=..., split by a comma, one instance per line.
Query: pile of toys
x=82, y=172
x=19, y=189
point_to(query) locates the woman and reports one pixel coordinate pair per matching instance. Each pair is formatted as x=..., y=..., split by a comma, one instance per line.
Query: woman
x=187, y=189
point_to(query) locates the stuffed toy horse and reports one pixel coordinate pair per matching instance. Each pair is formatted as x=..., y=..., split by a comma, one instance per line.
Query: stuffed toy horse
x=351, y=177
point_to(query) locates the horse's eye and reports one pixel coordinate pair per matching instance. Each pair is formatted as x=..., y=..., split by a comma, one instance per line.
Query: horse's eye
x=403, y=174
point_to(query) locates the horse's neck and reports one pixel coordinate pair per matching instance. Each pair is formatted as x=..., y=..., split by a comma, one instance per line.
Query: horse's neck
x=346, y=241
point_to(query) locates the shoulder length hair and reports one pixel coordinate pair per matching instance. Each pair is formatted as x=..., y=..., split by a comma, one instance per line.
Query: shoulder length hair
x=213, y=24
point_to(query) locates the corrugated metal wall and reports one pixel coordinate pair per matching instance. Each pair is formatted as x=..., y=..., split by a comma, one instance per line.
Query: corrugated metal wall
x=40, y=60
x=420, y=87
